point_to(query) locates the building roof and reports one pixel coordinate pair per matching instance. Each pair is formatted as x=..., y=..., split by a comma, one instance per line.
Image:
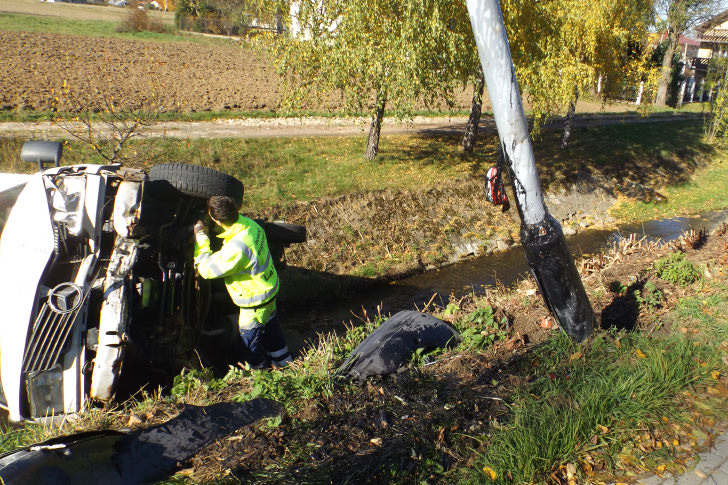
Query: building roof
x=712, y=22
x=708, y=31
x=691, y=42
x=661, y=36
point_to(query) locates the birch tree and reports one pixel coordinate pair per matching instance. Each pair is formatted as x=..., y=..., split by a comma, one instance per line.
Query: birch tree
x=561, y=47
x=379, y=54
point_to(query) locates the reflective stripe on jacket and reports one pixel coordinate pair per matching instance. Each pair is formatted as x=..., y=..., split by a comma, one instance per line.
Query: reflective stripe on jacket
x=244, y=261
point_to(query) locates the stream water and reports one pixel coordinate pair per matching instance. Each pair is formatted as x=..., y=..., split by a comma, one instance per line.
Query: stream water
x=302, y=323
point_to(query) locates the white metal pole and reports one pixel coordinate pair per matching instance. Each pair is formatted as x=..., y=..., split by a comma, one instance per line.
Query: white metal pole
x=505, y=98
x=543, y=240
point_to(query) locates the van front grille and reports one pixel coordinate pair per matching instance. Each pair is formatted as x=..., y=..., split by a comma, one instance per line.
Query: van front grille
x=51, y=331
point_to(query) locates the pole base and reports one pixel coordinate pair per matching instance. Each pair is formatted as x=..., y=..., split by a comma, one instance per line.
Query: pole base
x=557, y=277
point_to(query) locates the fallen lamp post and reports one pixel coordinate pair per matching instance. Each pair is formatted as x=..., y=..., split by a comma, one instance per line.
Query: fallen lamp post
x=541, y=236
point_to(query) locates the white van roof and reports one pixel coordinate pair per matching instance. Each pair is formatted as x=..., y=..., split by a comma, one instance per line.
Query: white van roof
x=12, y=180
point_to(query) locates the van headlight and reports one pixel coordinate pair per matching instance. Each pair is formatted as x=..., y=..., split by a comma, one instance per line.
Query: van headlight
x=45, y=392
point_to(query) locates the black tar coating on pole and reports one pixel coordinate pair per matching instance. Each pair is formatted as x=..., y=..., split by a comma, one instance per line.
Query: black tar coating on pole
x=392, y=344
x=115, y=458
x=558, y=279
x=553, y=268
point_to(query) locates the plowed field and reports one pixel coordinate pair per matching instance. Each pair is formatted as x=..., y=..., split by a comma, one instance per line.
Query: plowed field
x=136, y=74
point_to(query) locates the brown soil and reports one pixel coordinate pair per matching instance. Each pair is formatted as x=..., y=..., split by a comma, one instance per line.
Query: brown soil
x=144, y=74
x=136, y=74
x=399, y=422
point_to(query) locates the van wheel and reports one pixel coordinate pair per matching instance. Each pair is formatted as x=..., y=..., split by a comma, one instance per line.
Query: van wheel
x=197, y=181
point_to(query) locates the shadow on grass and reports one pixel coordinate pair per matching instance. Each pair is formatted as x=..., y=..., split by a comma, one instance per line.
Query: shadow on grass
x=655, y=154
x=437, y=150
x=623, y=312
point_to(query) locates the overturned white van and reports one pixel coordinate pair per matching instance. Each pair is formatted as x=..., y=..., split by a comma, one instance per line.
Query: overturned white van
x=96, y=270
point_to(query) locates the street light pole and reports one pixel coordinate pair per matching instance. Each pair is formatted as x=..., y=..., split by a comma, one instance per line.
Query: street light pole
x=541, y=235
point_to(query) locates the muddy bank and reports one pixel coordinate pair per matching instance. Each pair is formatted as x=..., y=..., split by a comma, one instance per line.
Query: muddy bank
x=359, y=238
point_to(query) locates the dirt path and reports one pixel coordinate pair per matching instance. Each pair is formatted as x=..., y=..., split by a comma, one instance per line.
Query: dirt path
x=312, y=126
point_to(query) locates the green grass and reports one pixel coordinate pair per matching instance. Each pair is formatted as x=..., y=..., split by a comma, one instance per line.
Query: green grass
x=281, y=171
x=27, y=115
x=94, y=28
x=655, y=154
x=704, y=190
x=594, y=399
x=12, y=437
x=685, y=108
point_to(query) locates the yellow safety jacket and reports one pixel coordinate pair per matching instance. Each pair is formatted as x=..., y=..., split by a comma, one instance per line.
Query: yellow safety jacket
x=245, y=263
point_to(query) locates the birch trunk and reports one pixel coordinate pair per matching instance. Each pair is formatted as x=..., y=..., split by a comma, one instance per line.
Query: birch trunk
x=471, y=129
x=376, y=127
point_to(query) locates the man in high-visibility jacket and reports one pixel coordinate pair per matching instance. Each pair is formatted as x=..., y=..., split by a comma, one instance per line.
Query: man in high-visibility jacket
x=245, y=262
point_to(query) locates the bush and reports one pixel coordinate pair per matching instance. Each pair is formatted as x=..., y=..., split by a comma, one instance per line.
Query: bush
x=676, y=269
x=138, y=20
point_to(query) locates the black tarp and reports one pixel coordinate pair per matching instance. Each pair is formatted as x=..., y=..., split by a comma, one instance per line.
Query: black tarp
x=393, y=343
x=115, y=458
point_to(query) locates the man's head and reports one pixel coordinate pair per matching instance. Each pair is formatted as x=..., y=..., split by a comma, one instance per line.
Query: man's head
x=222, y=209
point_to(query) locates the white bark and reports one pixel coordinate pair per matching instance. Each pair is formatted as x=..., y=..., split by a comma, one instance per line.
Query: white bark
x=639, y=93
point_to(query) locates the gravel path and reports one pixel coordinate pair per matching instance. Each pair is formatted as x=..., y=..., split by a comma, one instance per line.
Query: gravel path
x=312, y=126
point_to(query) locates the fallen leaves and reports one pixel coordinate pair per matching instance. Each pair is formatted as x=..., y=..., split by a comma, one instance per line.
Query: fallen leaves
x=490, y=473
x=134, y=420
x=548, y=322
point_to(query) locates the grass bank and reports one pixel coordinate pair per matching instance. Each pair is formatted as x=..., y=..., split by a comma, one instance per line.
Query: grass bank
x=35, y=116
x=704, y=190
x=285, y=171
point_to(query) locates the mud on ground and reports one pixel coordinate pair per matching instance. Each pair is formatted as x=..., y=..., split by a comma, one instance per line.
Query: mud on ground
x=399, y=422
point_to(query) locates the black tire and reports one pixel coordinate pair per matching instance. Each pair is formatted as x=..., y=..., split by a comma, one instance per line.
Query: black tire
x=282, y=232
x=197, y=181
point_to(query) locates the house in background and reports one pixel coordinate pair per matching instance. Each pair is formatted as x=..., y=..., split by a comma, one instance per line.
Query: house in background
x=713, y=37
x=690, y=86
x=688, y=49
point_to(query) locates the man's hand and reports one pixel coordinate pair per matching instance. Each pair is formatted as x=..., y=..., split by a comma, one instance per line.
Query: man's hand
x=199, y=227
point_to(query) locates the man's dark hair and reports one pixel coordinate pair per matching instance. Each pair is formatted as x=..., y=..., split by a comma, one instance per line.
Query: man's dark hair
x=222, y=209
